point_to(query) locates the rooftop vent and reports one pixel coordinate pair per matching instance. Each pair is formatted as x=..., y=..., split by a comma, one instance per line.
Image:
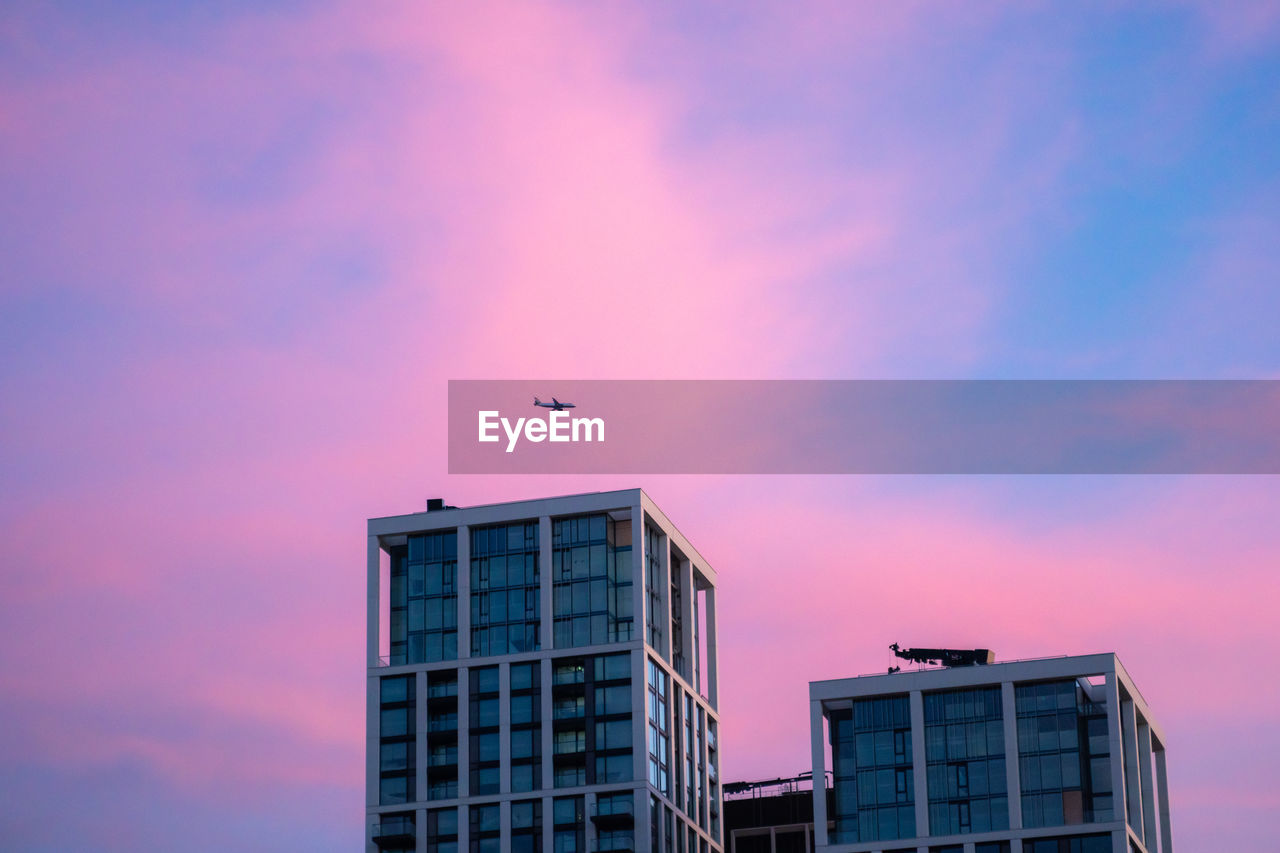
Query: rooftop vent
x=435, y=504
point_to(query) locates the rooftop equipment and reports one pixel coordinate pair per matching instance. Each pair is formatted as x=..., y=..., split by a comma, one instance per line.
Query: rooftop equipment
x=944, y=657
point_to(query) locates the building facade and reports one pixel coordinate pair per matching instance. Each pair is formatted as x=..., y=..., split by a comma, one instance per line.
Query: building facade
x=541, y=677
x=1043, y=756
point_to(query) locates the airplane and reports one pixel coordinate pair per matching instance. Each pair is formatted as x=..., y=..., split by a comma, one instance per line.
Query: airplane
x=554, y=404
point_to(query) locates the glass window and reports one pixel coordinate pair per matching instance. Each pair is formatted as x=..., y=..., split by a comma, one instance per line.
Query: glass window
x=396, y=689
x=591, y=581
x=568, y=707
x=1064, y=767
x=613, y=768
x=526, y=826
x=612, y=667
x=485, y=828
x=397, y=740
x=871, y=763
x=613, y=734
x=526, y=730
x=613, y=700
x=525, y=676
x=423, y=598
x=396, y=756
x=484, y=679
x=592, y=742
x=505, y=599
x=485, y=744
x=964, y=747
x=524, y=709
x=395, y=790
x=568, y=810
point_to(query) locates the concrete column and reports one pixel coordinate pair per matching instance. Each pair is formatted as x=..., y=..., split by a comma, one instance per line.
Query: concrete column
x=548, y=810
x=504, y=737
x=688, y=600
x=919, y=764
x=643, y=579
x=1012, y=772
x=712, y=661
x=677, y=747
x=464, y=819
x=1132, y=779
x=704, y=812
x=1147, y=785
x=663, y=617
x=504, y=824
x=638, y=597
x=464, y=740
x=546, y=734
x=420, y=826
x=818, y=753
x=588, y=809
x=373, y=738
x=699, y=686
x=640, y=722
x=672, y=758
x=1162, y=781
x=546, y=583
x=1114, y=746
x=373, y=637
x=640, y=807
x=968, y=847
x=464, y=593
x=420, y=750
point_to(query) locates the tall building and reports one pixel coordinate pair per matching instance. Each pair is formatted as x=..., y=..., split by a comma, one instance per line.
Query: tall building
x=1041, y=756
x=541, y=677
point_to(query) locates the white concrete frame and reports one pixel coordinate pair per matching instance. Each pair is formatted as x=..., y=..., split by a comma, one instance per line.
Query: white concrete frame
x=1142, y=817
x=388, y=531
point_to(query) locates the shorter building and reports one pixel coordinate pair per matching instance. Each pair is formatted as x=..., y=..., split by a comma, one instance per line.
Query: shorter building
x=1058, y=755
x=771, y=816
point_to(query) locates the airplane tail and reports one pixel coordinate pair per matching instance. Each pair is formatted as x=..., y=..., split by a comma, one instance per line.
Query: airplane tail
x=537, y=402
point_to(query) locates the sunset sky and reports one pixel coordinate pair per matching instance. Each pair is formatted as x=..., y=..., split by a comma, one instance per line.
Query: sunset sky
x=244, y=246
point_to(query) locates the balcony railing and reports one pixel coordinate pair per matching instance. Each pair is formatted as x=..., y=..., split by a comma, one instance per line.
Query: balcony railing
x=624, y=808
x=613, y=813
x=616, y=842
x=394, y=832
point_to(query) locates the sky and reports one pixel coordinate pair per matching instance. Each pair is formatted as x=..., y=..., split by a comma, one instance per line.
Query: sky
x=244, y=247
